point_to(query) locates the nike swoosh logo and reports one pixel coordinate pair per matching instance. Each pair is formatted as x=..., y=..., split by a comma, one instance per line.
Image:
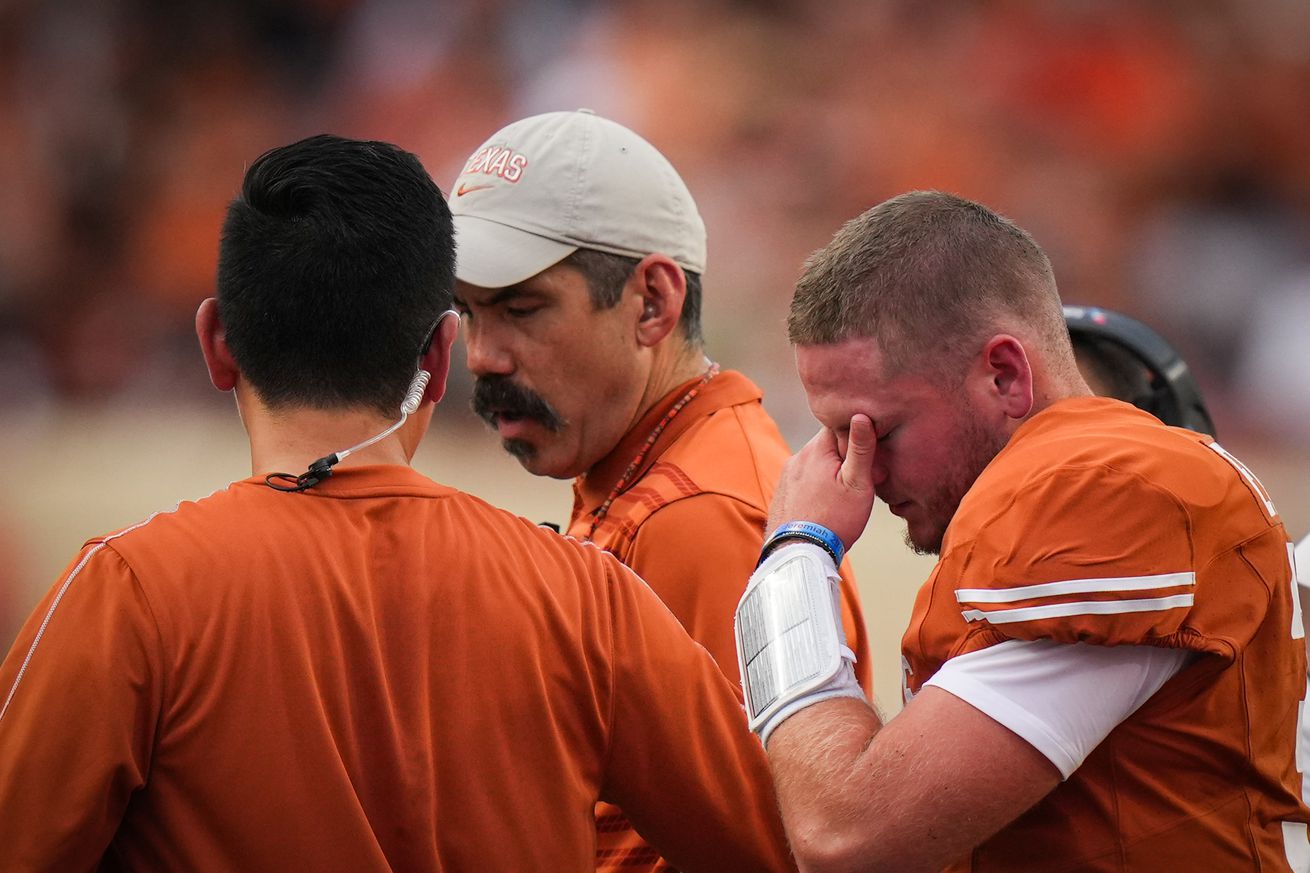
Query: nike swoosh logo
x=464, y=189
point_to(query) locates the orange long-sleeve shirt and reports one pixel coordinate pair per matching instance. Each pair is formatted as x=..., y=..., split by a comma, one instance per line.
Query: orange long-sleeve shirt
x=691, y=524
x=378, y=674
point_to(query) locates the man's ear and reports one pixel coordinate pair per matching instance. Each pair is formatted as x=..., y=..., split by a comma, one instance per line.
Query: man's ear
x=1007, y=376
x=223, y=370
x=663, y=287
x=436, y=360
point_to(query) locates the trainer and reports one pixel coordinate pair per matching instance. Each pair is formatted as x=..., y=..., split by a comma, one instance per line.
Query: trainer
x=338, y=664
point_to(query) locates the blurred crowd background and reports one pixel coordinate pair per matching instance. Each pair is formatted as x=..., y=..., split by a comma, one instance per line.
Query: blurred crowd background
x=1159, y=151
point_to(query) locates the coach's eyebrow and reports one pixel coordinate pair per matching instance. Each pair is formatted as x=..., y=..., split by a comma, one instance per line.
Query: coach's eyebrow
x=504, y=295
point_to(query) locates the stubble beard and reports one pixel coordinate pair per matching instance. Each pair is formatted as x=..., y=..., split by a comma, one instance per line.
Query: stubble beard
x=978, y=446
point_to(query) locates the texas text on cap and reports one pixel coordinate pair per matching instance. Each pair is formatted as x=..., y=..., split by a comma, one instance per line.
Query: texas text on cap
x=545, y=186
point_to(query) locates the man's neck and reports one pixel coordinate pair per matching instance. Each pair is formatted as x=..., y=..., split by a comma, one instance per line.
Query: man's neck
x=289, y=440
x=1053, y=383
x=688, y=364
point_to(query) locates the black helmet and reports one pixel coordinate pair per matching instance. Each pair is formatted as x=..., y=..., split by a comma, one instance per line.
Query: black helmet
x=1168, y=390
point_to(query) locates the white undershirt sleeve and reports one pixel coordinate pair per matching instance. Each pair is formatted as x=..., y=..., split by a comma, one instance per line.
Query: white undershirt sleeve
x=1063, y=698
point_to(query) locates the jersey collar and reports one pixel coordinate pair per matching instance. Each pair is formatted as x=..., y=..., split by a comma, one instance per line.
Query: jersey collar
x=729, y=388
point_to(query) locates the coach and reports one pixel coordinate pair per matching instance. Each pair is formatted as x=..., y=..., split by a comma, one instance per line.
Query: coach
x=580, y=254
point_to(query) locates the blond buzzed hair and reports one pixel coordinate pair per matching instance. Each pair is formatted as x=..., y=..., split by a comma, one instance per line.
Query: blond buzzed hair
x=928, y=276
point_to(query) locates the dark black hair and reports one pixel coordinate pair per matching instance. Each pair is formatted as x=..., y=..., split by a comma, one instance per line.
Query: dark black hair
x=335, y=261
x=1138, y=366
x=606, y=273
x=1117, y=372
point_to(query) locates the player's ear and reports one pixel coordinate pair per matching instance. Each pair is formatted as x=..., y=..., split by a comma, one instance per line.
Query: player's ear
x=1008, y=376
x=662, y=287
x=222, y=366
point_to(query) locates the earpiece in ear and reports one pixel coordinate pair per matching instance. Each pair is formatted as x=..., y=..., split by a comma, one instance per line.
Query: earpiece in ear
x=427, y=343
x=651, y=310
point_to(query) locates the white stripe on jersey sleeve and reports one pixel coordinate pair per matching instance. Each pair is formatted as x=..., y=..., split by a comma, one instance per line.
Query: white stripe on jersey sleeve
x=1081, y=607
x=1107, y=585
x=59, y=596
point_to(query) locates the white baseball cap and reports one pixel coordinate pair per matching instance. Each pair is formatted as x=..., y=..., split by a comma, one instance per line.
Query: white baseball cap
x=543, y=187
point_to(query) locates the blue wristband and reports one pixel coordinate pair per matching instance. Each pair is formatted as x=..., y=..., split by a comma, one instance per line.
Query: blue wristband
x=809, y=532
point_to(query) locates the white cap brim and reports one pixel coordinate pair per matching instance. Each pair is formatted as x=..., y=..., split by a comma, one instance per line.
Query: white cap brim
x=494, y=255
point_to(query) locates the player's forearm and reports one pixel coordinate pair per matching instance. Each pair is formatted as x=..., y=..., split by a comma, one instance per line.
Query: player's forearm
x=913, y=795
x=816, y=756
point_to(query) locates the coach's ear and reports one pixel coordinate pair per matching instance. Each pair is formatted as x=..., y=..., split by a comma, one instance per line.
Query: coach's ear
x=662, y=287
x=222, y=366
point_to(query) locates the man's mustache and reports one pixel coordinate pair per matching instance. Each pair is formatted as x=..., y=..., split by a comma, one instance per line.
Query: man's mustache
x=499, y=397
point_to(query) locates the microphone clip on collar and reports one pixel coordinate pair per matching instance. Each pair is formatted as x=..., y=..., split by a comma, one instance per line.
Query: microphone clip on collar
x=317, y=472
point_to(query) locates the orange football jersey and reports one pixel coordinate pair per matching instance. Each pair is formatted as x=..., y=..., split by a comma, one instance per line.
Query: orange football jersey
x=1098, y=524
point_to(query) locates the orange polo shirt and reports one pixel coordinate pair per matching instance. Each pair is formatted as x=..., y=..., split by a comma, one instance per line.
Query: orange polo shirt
x=1097, y=524
x=378, y=674
x=691, y=524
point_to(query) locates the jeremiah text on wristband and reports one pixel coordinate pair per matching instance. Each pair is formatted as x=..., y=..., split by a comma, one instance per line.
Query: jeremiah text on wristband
x=809, y=532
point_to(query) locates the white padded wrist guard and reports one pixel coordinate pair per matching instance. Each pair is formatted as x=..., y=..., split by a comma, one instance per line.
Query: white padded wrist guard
x=791, y=647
